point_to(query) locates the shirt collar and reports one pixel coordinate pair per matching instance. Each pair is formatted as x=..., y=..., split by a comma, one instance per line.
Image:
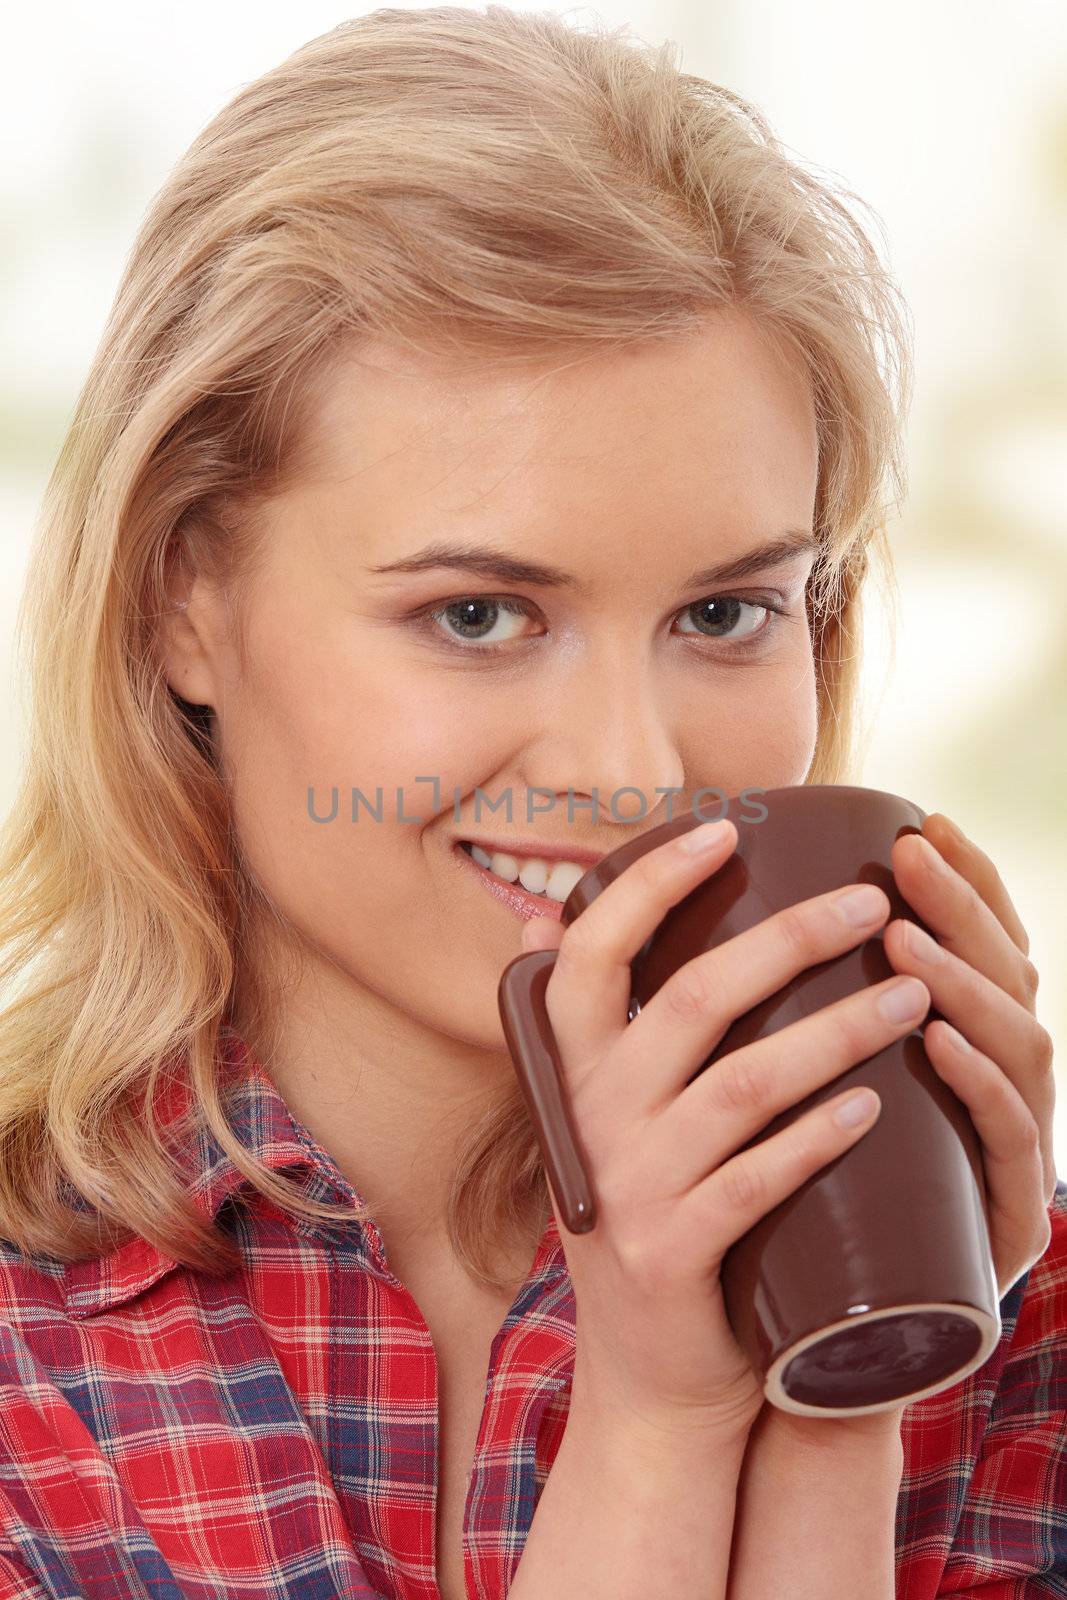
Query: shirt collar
x=263, y=1124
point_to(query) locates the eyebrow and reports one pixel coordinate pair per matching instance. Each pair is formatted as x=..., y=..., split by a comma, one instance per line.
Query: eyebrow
x=485, y=562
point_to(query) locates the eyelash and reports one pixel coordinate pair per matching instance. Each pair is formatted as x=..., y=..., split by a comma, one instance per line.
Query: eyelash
x=755, y=642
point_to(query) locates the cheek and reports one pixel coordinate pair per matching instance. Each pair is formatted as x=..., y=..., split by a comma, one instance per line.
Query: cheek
x=758, y=731
x=338, y=718
x=793, y=726
x=375, y=725
x=785, y=726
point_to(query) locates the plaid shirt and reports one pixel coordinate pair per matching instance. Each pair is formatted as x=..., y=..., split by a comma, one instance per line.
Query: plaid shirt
x=272, y=1434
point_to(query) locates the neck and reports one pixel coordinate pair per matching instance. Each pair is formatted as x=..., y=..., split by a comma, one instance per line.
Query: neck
x=396, y=1105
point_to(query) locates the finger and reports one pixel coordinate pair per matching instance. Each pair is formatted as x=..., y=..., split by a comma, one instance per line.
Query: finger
x=1020, y=1227
x=587, y=997
x=973, y=864
x=743, y=1091
x=675, y=1032
x=994, y=1023
x=740, y=1192
x=957, y=914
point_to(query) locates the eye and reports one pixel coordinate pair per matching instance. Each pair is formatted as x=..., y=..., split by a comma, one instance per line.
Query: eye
x=717, y=617
x=477, y=617
x=487, y=624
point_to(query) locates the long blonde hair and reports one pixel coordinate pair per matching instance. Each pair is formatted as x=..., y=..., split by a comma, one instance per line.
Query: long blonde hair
x=491, y=181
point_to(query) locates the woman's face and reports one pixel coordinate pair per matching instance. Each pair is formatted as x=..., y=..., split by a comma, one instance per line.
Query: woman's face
x=621, y=677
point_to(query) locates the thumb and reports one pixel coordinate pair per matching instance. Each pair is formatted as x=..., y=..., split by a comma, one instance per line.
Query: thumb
x=541, y=933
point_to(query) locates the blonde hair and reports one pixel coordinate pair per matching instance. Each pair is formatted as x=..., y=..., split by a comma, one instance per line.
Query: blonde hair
x=490, y=182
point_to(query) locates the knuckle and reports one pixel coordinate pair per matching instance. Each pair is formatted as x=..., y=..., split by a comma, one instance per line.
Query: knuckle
x=795, y=930
x=743, y=1185
x=799, y=1145
x=693, y=992
x=849, y=1029
x=736, y=1085
x=1044, y=1048
x=1025, y=1132
x=973, y=898
x=1030, y=978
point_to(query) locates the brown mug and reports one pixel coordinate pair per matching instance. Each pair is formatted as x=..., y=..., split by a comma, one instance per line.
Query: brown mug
x=873, y=1284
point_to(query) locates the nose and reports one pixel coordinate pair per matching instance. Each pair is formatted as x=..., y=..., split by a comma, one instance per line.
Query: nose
x=607, y=740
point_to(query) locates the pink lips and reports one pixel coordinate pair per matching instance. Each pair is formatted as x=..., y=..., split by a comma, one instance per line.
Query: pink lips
x=513, y=895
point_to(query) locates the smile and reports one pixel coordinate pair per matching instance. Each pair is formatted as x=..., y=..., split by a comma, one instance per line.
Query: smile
x=530, y=887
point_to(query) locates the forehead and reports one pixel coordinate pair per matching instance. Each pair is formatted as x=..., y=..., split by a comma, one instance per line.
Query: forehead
x=727, y=382
x=711, y=430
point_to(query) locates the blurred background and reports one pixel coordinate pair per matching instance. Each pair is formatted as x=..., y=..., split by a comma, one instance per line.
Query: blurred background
x=949, y=119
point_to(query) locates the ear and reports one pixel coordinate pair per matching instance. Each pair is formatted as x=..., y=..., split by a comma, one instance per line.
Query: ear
x=189, y=630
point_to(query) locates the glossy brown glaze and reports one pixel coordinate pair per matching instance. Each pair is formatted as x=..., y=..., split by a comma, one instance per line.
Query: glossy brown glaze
x=873, y=1282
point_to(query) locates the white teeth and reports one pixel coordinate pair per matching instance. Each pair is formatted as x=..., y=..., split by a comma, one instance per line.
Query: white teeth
x=555, y=880
x=562, y=878
x=533, y=875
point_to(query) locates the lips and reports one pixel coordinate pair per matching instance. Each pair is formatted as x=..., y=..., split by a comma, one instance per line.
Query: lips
x=535, y=850
x=518, y=900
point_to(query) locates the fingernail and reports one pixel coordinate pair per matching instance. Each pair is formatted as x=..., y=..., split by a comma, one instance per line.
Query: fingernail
x=956, y=1038
x=905, y=999
x=704, y=837
x=934, y=858
x=859, y=906
x=859, y=1107
x=922, y=947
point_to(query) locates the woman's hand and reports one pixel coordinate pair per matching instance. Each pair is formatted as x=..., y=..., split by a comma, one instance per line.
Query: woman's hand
x=675, y=1190
x=986, y=983
x=983, y=981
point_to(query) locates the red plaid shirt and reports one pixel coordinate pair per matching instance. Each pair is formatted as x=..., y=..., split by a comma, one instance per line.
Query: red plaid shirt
x=273, y=1433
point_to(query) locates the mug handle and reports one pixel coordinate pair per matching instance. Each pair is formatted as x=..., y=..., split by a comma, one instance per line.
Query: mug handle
x=521, y=999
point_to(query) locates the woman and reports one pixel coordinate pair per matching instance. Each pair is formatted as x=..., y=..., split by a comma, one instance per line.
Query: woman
x=448, y=355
